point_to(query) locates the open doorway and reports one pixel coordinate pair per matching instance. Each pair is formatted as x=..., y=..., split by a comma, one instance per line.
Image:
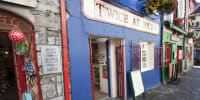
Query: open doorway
x=15, y=54
x=8, y=86
x=107, y=68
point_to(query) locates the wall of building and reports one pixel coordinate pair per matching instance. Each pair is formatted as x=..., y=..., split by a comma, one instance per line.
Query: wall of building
x=79, y=28
x=45, y=19
x=190, y=5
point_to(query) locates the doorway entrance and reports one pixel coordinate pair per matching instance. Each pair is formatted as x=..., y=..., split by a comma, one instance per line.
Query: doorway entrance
x=107, y=68
x=14, y=55
x=7, y=73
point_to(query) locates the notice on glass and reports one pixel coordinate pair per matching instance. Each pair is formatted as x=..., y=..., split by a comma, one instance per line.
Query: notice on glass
x=51, y=59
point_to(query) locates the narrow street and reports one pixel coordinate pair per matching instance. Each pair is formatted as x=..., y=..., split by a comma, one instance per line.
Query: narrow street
x=187, y=89
x=100, y=50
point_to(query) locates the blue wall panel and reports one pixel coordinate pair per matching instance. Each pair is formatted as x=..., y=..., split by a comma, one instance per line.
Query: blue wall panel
x=79, y=60
x=79, y=28
x=131, y=5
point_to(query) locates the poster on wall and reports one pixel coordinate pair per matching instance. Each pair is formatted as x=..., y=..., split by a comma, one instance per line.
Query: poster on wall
x=30, y=3
x=51, y=59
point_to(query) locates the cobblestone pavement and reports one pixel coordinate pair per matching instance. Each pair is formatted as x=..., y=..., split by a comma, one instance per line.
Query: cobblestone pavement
x=188, y=88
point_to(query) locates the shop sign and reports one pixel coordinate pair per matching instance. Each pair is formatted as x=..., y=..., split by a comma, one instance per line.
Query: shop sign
x=8, y=20
x=30, y=3
x=102, y=11
x=51, y=59
x=175, y=38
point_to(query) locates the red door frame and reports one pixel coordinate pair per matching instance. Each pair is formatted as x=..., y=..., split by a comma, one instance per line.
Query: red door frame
x=64, y=49
x=91, y=69
x=35, y=58
x=119, y=52
x=167, y=54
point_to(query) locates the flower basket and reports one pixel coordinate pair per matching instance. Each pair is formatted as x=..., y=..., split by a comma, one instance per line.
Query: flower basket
x=163, y=6
x=168, y=6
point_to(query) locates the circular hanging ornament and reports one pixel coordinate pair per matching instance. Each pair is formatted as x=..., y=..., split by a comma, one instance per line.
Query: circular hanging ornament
x=16, y=36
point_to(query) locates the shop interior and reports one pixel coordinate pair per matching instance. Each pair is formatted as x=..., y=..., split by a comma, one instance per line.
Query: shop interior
x=16, y=50
x=105, y=69
x=8, y=87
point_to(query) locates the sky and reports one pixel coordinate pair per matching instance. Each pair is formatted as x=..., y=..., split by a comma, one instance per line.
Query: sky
x=198, y=1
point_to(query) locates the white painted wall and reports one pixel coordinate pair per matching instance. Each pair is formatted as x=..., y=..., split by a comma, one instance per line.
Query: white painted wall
x=113, y=74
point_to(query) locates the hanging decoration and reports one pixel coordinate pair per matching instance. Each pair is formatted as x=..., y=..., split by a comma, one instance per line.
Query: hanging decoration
x=16, y=36
x=162, y=6
x=168, y=6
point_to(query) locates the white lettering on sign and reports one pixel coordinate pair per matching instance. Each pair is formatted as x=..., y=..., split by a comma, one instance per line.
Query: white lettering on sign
x=51, y=59
x=30, y=3
x=105, y=12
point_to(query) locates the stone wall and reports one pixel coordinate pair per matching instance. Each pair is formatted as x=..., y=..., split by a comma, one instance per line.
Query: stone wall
x=46, y=21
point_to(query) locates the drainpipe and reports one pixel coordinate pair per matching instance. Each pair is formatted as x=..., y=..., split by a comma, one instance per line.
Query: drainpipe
x=64, y=49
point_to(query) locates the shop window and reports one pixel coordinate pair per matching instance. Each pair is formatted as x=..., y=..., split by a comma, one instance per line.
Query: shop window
x=147, y=53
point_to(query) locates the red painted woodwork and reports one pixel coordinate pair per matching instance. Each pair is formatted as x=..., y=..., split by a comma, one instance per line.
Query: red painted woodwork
x=22, y=78
x=135, y=56
x=119, y=51
x=167, y=54
x=64, y=48
x=9, y=19
x=91, y=69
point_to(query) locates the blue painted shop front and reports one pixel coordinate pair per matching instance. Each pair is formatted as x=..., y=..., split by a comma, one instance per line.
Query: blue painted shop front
x=79, y=28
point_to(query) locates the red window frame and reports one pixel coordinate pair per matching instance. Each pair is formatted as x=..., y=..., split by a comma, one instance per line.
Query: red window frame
x=167, y=53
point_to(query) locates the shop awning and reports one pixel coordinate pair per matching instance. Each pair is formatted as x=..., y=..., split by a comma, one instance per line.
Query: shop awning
x=174, y=27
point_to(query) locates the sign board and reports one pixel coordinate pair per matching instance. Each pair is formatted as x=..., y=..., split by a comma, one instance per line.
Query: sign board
x=51, y=59
x=102, y=11
x=30, y=3
x=135, y=78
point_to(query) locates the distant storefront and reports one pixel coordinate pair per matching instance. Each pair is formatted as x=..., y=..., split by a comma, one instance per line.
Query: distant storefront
x=173, y=51
x=189, y=54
